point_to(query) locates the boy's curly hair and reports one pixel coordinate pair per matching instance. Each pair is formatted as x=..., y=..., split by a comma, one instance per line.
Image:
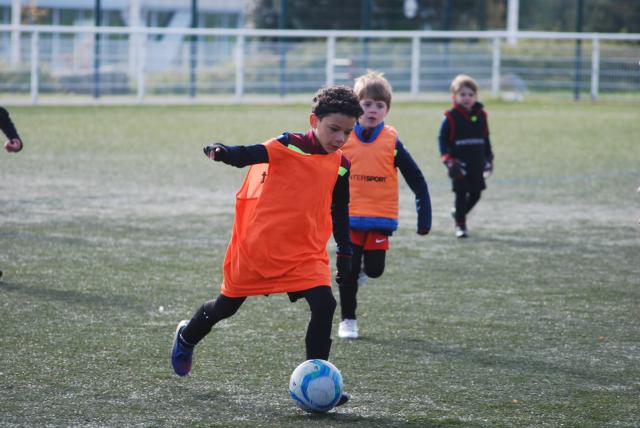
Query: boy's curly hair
x=336, y=99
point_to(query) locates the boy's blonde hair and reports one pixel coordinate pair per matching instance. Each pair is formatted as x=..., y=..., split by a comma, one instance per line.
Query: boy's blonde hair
x=373, y=85
x=463, y=81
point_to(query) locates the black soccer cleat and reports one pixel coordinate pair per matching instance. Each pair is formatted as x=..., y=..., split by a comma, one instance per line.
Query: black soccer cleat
x=343, y=399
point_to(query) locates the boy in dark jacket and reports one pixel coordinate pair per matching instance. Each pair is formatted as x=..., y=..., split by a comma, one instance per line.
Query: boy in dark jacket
x=465, y=149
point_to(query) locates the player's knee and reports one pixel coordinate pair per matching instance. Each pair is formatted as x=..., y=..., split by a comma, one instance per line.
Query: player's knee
x=208, y=307
x=350, y=283
x=329, y=304
x=375, y=267
x=374, y=263
x=353, y=277
x=374, y=271
x=324, y=309
x=221, y=308
x=324, y=303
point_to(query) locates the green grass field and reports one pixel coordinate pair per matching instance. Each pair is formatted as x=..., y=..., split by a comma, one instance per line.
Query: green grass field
x=113, y=227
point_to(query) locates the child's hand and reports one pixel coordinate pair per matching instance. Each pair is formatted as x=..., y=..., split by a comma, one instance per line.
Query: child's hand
x=343, y=263
x=216, y=152
x=456, y=168
x=488, y=169
x=14, y=145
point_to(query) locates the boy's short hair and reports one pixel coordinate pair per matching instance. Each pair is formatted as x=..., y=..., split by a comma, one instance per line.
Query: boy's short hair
x=373, y=85
x=336, y=99
x=463, y=81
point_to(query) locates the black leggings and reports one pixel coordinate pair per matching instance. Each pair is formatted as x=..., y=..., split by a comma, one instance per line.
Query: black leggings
x=465, y=201
x=318, y=337
x=373, y=267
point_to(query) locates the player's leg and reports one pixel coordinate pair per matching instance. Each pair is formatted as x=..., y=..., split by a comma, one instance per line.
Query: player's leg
x=318, y=338
x=460, y=213
x=375, y=250
x=190, y=332
x=349, y=286
x=472, y=200
x=460, y=205
x=348, y=289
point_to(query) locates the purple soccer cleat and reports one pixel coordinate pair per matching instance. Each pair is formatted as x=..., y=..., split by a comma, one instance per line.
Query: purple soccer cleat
x=181, y=353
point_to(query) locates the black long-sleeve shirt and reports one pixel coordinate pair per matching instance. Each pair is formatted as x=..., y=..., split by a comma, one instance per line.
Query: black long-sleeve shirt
x=7, y=126
x=470, y=126
x=417, y=183
x=241, y=156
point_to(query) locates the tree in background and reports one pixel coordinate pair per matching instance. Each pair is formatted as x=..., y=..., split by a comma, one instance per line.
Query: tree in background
x=601, y=16
x=379, y=15
x=535, y=15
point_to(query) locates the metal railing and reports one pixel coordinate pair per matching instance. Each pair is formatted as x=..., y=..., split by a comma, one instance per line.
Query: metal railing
x=138, y=63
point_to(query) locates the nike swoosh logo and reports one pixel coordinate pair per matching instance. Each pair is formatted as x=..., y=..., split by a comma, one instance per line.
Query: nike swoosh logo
x=380, y=241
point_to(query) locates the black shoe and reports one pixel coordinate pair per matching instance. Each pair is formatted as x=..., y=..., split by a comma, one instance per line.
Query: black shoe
x=461, y=232
x=343, y=399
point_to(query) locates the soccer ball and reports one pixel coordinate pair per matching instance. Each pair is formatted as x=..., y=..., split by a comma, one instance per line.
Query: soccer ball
x=316, y=386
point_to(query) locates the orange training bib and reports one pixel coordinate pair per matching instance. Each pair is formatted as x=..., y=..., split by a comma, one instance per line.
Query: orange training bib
x=282, y=224
x=373, y=184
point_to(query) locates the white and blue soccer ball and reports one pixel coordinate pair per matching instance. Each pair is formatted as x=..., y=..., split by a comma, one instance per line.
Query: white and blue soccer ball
x=316, y=386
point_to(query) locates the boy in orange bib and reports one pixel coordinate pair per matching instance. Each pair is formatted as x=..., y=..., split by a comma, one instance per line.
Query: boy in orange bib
x=376, y=154
x=295, y=193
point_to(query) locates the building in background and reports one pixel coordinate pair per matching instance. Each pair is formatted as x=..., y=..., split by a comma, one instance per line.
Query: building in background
x=68, y=53
x=151, y=13
x=71, y=58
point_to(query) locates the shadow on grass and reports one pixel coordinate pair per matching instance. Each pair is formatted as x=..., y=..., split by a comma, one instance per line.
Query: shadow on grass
x=124, y=303
x=336, y=418
x=290, y=415
x=484, y=359
x=518, y=242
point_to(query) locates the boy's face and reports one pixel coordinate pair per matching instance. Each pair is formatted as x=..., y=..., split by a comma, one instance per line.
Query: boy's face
x=332, y=130
x=466, y=97
x=374, y=112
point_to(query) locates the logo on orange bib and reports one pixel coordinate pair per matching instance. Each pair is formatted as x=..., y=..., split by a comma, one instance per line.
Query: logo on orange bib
x=374, y=178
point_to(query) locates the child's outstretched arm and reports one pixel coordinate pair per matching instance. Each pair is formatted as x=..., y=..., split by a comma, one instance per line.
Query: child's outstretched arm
x=238, y=156
x=416, y=181
x=14, y=144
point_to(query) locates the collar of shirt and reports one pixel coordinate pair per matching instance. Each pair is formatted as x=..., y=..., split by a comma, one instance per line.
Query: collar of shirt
x=368, y=135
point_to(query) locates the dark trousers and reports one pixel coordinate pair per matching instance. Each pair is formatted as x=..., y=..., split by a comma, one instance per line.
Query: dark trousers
x=317, y=341
x=464, y=203
x=373, y=267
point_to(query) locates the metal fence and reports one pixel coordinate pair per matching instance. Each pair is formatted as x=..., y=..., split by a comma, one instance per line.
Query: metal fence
x=141, y=64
